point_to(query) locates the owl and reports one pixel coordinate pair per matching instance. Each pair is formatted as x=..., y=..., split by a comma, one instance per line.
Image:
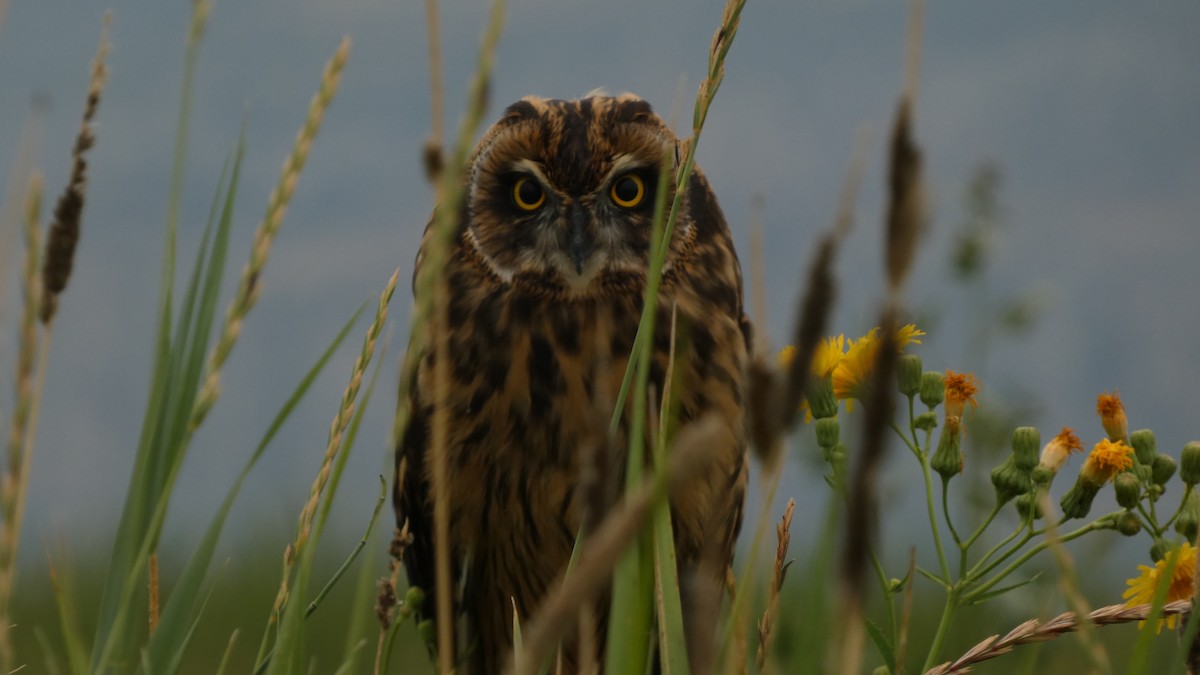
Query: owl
x=546, y=279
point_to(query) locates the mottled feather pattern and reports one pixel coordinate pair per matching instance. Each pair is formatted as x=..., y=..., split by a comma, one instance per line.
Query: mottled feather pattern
x=544, y=305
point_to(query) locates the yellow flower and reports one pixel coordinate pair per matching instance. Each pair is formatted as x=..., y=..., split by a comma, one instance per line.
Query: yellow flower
x=960, y=392
x=852, y=373
x=1142, y=587
x=1059, y=448
x=908, y=334
x=1112, y=415
x=786, y=356
x=827, y=357
x=1106, y=460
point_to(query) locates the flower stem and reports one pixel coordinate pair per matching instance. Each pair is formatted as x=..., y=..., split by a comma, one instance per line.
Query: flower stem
x=933, y=524
x=987, y=521
x=975, y=572
x=1099, y=523
x=943, y=628
x=946, y=512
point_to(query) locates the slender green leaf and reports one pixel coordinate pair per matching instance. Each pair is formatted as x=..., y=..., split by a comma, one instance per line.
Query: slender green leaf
x=163, y=447
x=672, y=640
x=228, y=652
x=933, y=577
x=882, y=644
x=68, y=621
x=1001, y=591
x=351, y=661
x=180, y=605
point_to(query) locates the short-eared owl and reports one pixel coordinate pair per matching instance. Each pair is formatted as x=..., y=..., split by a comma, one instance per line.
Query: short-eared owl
x=546, y=278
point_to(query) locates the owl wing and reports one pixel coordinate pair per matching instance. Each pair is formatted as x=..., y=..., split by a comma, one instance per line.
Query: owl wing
x=413, y=503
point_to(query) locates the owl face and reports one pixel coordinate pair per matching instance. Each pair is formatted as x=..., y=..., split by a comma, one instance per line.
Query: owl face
x=561, y=193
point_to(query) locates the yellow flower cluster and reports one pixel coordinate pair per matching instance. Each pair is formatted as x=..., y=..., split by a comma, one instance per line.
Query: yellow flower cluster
x=849, y=361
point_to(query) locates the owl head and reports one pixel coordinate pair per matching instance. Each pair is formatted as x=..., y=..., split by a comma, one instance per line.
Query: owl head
x=560, y=194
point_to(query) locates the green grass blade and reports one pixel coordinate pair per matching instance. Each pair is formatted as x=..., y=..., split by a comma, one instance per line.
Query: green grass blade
x=68, y=621
x=351, y=661
x=228, y=652
x=672, y=642
x=289, y=647
x=167, y=642
x=176, y=658
x=160, y=458
x=136, y=508
x=629, y=621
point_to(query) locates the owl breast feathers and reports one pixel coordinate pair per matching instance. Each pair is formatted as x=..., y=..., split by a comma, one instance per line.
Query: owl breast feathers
x=546, y=280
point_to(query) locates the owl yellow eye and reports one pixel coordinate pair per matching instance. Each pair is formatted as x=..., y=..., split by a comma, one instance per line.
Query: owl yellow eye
x=528, y=194
x=628, y=191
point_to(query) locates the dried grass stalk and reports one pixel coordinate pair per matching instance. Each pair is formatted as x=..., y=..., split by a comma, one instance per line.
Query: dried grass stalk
x=783, y=537
x=14, y=474
x=862, y=516
x=1035, y=631
x=68, y=212
x=693, y=450
x=337, y=429
x=277, y=205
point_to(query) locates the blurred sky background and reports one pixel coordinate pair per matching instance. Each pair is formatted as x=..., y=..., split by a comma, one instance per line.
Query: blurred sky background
x=1088, y=108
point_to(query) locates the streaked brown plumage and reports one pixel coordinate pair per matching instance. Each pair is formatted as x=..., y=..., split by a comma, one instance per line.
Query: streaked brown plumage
x=545, y=282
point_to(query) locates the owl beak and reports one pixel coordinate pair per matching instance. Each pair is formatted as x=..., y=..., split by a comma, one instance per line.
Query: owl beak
x=579, y=241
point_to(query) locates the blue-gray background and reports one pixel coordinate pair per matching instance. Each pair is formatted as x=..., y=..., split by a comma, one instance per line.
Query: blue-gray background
x=1089, y=109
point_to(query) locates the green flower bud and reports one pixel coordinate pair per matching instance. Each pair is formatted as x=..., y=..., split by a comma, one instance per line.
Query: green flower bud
x=1041, y=475
x=1128, y=489
x=1029, y=503
x=908, y=374
x=1188, y=521
x=1128, y=524
x=1162, y=469
x=1159, y=549
x=828, y=431
x=948, y=459
x=1078, y=500
x=428, y=632
x=1189, y=463
x=836, y=457
x=414, y=598
x=895, y=585
x=1144, y=472
x=933, y=389
x=1144, y=446
x=820, y=398
x=881, y=670
x=926, y=421
x=1010, y=481
x=1156, y=491
x=1026, y=444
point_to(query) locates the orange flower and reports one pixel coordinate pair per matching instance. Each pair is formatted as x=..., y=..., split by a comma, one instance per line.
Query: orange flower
x=1106, y=460
x=1143, y=587
x=960, y=391
x=1112, y=415
x=1059, y=448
